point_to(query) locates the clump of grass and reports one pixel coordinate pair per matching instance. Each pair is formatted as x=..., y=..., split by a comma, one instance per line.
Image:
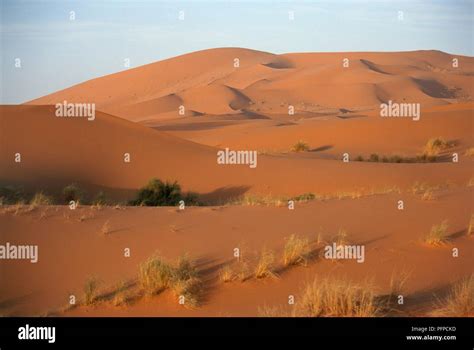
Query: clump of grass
x=460, y=301
x=189, y=289
x=469, y=152
x=100, y=200
x=305, y=197
x=337, y=298
x=300, y=146
x=226, y=274
x=438, y=234
x=359, y=159
x=397, y=286
x=428, y=195
x=155, y=275
x=341, y=238
x=265, y=266
x=471, y=182
x=296, y=251
x=271, y=311
x=255, y=199
x=90, y=290
x=435, y=146
x=41, y=199
x=105, y=229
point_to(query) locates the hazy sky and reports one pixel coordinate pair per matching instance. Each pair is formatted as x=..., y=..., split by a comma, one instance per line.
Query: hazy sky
x=57, y=52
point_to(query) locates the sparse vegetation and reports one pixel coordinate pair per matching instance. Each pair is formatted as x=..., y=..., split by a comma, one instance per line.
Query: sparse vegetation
x=226, y=274
x=100, y=199
x=105, y=229
x=305, y=197
x=300, y=146
x=296, y=251
x=438, y=234
x=90, y=291
x=469, y=152
x=374, y=157
x=158, y=193
x=459, y=302
x=72, y=192
x=41, y=199
x=156, y=275
x=11, y=194
x=337, y=298
x=265, y=266
x=435, y=146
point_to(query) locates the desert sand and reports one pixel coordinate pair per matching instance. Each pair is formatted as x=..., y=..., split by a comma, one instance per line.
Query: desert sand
x=243, y=108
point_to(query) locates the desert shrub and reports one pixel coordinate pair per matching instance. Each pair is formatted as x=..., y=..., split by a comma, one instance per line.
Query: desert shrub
x=100, y=199
x=459, y=302
x=72, y=192
x=438, y=234
x=469, y=152
x=435, y=146
x=374, y=157
x=155, y=275
x=359, y=159
x=305, y=197
x=300, y=146
x=226, y=274
x=41, y=199
x=12, y=194
x=337, y=298
x=90, y=290
x=158, y=193
x=296, y=251
x=265, y=266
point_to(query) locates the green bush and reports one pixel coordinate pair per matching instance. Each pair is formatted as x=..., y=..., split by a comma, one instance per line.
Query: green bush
x=158, y=193
x=11, y=194
x=72, y=192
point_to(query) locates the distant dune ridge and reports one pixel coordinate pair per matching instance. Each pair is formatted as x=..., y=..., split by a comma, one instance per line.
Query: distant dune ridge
x=207, y=82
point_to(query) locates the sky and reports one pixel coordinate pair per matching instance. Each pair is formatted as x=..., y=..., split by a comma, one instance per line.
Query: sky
x=53, y=44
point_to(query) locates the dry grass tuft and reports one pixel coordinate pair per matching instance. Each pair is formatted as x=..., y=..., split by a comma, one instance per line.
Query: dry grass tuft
x=459, y=302
x=90, y=291
x=337, y=298
x=438, y=234
x=106, y=228
x=300, y=146
x=265, y=266
x=296, y=251
x=435, y=146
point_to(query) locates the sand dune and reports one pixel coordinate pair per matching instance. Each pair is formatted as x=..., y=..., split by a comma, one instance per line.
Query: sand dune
x=57, y=151
x=208, y=82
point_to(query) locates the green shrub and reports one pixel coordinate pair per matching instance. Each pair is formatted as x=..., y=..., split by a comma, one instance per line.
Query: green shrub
x=374, y=157
x=158, y=193
x=72, y=192
x=11, y=194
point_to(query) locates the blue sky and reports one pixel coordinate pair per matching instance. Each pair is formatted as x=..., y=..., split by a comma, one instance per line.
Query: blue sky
x=57, y=52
